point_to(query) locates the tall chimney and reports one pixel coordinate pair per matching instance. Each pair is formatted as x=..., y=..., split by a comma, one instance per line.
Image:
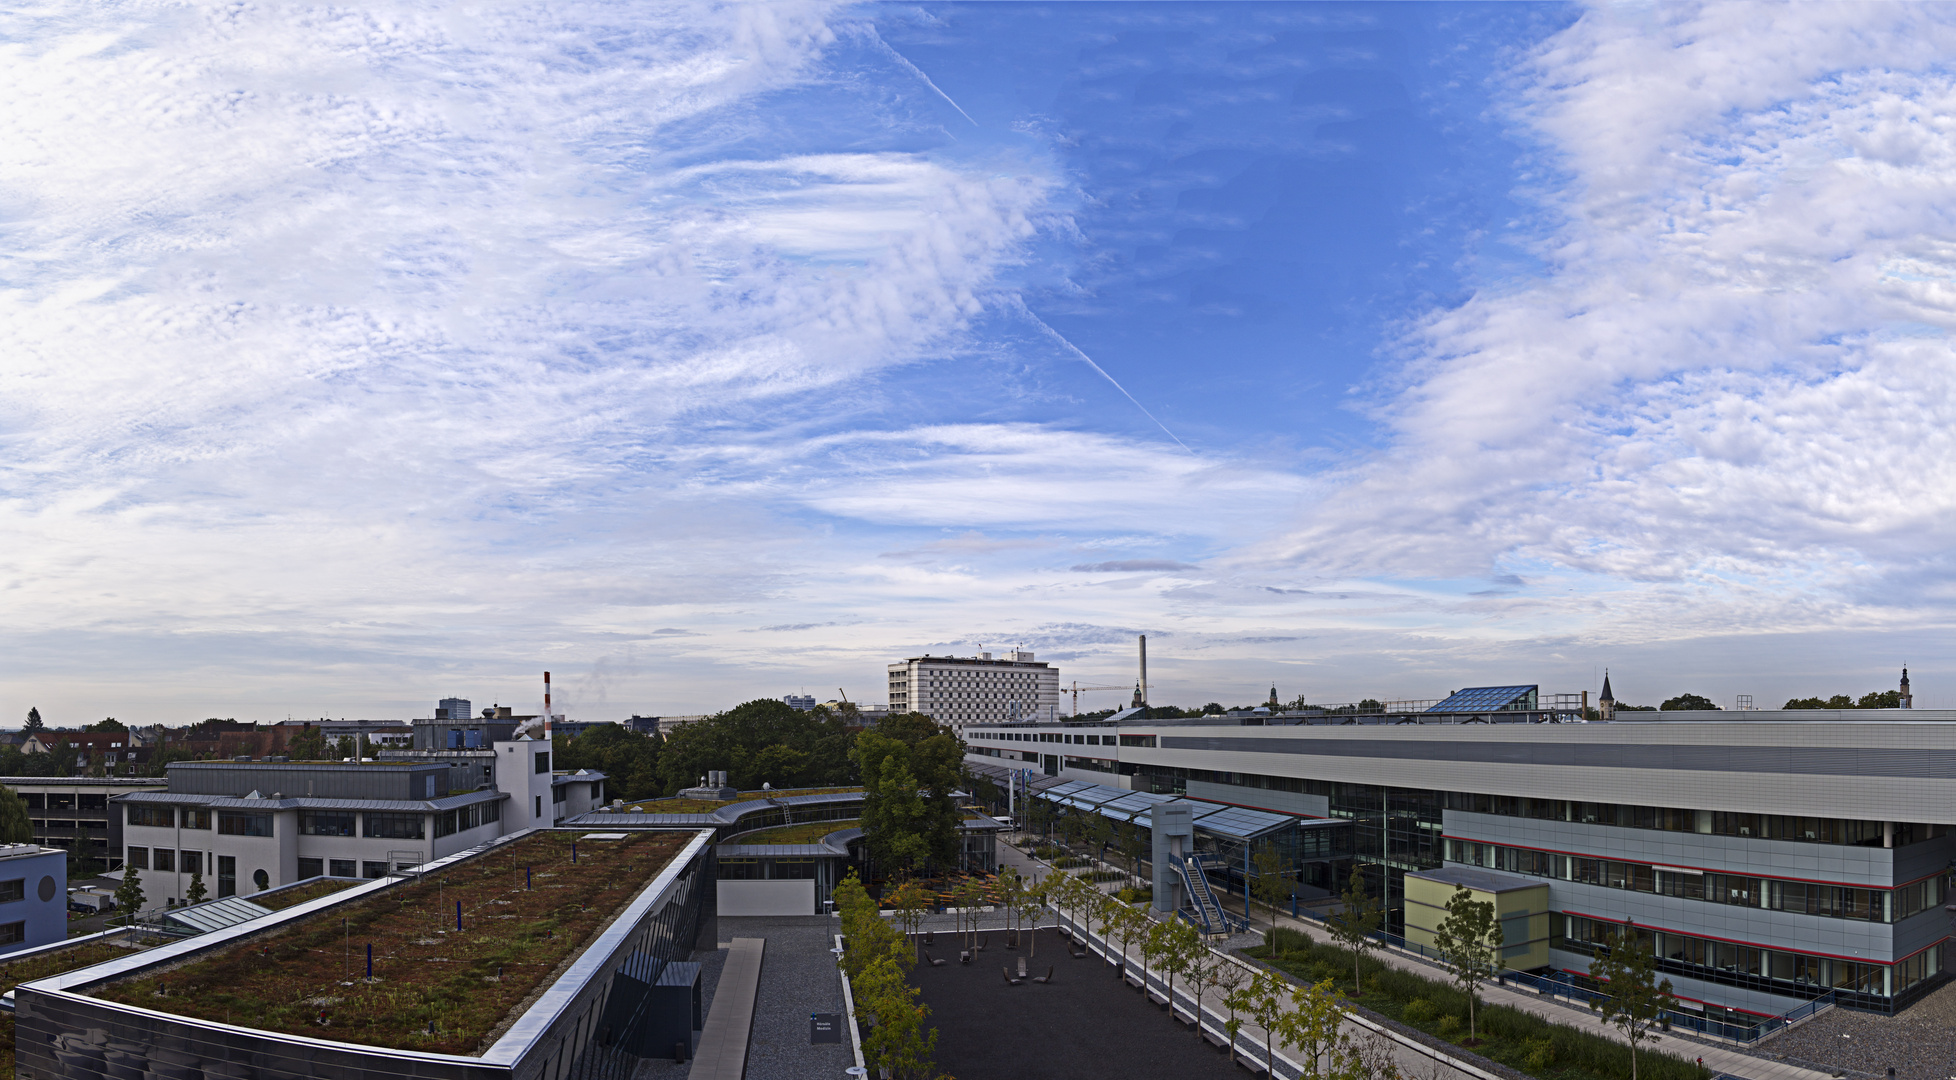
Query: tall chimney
x=1144, y=670
x=546, y=706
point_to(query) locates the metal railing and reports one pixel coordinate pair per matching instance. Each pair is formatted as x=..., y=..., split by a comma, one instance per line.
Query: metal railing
x=1215, y=918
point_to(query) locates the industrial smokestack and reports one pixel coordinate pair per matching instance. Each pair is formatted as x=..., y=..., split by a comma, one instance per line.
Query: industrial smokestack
x=1144, y=670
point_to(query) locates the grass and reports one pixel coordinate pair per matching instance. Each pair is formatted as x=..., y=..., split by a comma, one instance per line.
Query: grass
x=1514, y=1038
x=41, y=966
x=308, y=978
x=286, y=898
x=706, y=806
x=806, y=833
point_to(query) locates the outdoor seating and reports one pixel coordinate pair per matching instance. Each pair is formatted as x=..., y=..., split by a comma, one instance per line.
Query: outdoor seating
x=1022, y=967
x=982, y=939
x=964, y=956
x=1079, y=952
x=1007, y=972
x=1046, y=978
x=934, y=961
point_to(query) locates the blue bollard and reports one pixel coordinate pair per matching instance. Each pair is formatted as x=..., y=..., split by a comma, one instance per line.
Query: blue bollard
x=526, y=877
x=458, y=915
x=370, y=959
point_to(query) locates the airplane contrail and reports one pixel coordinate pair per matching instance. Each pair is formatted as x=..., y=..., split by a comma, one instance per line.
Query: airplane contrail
x=917, y=71
x=1075, y=350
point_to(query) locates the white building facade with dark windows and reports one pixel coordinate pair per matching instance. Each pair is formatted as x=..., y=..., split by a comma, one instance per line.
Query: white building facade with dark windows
x=250, y=826
x=1011, y=688
x=1775, y=858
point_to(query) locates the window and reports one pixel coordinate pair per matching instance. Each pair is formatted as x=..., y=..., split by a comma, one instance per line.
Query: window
x=13, y=932
x=155, y=817
x=1137, y=740
x=543, y=761
x=395, y=827
x=227, y=876
x=261, y=879
x=137, y=857
x=11, y=891
x=341, y=867
x=490, y=812
x=229, y=824
x=311, y=868
x=559, y=792
x=164, y=859
x=445, y=823
x=196, y=818
x=193, y=862
x=539, y=812
x=373, y=869
x=326, y=823
x=36, y=801
x=101, y=803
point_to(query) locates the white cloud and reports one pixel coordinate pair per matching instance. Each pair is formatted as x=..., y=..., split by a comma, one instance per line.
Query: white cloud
x=1730, y=389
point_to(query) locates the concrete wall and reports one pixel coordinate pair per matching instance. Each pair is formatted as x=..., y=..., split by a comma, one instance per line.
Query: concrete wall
x=767, y=897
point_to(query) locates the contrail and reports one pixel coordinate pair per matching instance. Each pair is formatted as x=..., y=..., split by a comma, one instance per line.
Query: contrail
x=918, y=72
x=1075, y=350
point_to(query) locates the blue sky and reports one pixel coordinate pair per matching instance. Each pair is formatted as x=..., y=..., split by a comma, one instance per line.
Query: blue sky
x=354, y=357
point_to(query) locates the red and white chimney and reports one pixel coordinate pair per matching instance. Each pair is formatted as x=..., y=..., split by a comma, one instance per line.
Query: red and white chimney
x=546, y=706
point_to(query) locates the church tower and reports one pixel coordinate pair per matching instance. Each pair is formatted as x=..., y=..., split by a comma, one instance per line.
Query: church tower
x=1606, y=704
x=1908, y=699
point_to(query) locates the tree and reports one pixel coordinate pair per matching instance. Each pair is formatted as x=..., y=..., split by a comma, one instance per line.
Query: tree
x=1272, y=884
x=1632, y=999
x=129, y=894
x=1261, y=1000
x=1127, y=840
x=14, y=826
x=1125, y=924
x=1205, y=967
x=33, y=719
x=629, y=760
x=1182, y=949
x=196, y=892
x=911, y=901
x=1313, y=1025
x=1229, y=980
x=108, y=724
x=308, y=745
x=1469, y=941
x=909, y=771
x=1880, y=699
x=1688, y=702
x=762, y=742
x=1356, y=923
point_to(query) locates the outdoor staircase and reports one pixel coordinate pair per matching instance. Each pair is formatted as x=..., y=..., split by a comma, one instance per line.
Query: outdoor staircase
x=1209, y=913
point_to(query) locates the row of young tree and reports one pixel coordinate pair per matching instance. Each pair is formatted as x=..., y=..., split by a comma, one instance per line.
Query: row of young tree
x=897, y=1041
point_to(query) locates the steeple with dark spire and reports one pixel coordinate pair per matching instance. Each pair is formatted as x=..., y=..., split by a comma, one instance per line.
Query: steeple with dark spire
x=1606, y=703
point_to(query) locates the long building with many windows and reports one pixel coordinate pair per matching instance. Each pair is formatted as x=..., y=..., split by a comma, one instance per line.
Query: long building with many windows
x=1776, y=856
x=1012, y=688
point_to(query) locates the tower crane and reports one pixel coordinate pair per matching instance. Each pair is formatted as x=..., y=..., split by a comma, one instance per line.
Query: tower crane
x=1078, y=690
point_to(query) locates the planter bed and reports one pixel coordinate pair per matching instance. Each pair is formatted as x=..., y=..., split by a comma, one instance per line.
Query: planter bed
x=308, y=978
x=280, y=899
x=806, y=833
x=1515, y=1039
x=706, y=806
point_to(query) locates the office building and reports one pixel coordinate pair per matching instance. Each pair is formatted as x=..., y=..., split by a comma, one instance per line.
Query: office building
x=1777, y=855
x=33, y=896
x=964, y=690
x=72, y=813
x=251, y=826
x=799, y=702
x=453, y=708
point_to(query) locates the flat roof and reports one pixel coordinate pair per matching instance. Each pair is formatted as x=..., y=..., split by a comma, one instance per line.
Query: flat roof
x=522, y=932
x=1473, y=877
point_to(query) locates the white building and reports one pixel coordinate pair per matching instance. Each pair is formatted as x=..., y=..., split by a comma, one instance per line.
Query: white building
x=251, y=826
x=799, y=702
x=962, y=690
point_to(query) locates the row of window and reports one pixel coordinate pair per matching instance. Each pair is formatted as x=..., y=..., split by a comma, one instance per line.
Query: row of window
x=1815, y=830
x=37, y=800
x=166, y=817
x=84, y=824
x=1743, y=965
x=312, y=868
x=1809, y=898
x=464, y=818
x=165, y=859
x=393, y=826
x=1067, y=738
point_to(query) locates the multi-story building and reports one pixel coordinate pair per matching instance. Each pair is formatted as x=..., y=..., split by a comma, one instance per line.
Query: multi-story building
x=965, y=690
x=1776, y=856
x=251, y=826
x=72, y=813
x=799, y=702
x=33, y=896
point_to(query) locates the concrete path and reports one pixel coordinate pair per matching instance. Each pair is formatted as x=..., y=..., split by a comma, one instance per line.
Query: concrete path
x=723, y=1042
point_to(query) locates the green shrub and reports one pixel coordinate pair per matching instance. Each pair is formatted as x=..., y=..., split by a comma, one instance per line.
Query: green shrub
x=1541, y=1056
x=1419, y=1011
x=1449, y=1027
x=1288, y=941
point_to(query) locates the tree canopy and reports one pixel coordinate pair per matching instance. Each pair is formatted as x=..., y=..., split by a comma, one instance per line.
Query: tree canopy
x=14, y=826
x=308, y=745
x=1875, y=699
x=910, y=765
x=629, y=759
x=33, y=718
x=761, y=742
x=109, y=724
x=1688, y=703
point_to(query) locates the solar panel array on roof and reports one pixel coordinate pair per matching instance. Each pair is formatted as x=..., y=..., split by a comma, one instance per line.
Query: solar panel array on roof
x=1488, y=699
